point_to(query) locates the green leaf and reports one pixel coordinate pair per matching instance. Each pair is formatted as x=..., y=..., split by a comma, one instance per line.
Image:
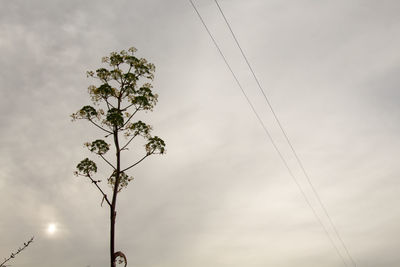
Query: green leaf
x=144, y=97
x=115, y=59
x=155, y=146
x=115, y=117
x=124, y=180
x=139, y=128
x=103, y=74
x=87, y=112
x=105, y=90
x=86, y=167
x=99, y=147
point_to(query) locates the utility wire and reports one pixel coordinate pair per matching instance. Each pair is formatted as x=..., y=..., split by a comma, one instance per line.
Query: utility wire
x=286, y=137
x=269, y=135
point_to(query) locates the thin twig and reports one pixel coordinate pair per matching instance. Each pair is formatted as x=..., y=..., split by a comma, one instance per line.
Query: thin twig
x=99, y=126
x=124, y=80
x=98, y=187
x=133, y=165
x=130, y=117
x=107, y=161
x=130, y=105
x=108, y=103
x=130, y=140
x=12, y=256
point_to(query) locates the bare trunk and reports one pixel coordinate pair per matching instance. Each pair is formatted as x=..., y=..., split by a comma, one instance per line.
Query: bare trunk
x=112, y=236
x=113, y=212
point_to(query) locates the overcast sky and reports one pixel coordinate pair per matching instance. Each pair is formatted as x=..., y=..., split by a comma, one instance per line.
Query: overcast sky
x=221, y=196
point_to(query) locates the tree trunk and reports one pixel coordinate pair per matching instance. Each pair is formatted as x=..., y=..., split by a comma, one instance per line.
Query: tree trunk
x=112, y=237
x=113, y=212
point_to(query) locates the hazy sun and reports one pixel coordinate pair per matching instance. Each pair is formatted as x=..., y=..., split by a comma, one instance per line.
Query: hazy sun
x=51, y=228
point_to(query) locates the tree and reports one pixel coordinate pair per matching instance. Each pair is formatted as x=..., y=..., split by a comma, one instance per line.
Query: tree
x=124, y=90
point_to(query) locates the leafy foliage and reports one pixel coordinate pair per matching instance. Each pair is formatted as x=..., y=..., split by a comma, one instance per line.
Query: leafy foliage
x=86, y=167
x=123, y=182
x=138, y=128
x=99, y=147
x=120, y=89
x=144, y=97
x=114, y=117
x=155, y=146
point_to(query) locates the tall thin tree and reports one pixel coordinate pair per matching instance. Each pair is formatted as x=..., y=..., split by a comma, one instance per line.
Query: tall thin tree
x=123, y=90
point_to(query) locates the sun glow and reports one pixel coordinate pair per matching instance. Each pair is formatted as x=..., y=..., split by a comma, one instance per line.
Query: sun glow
x=51, y=228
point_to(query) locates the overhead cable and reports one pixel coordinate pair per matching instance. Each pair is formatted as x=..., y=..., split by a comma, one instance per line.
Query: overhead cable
x=286, y=137
x=269, y=135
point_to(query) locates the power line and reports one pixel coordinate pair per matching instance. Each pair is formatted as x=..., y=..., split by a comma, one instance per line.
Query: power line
x=286, y=137
x=268, y=134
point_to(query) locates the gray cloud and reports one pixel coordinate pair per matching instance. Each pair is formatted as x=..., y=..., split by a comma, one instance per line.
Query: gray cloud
x=221, y=196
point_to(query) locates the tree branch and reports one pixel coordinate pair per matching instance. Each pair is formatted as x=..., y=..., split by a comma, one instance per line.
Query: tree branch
x=130, y=117
x=98, y=187
x=108, y=103
x=129, y=70
x=98, y=126
x=133, y=165
x=125, y=108
x=130, y=140
x=124, y=80
x=107, y=161
x=16, y=253
x=115, y=79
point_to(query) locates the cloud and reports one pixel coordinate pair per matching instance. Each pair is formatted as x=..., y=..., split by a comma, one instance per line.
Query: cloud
x=221, y=196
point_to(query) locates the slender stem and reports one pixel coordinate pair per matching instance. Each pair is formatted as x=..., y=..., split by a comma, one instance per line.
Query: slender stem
x=130, y=117
x=98, y=126
x=130, y=105
x=124, y=80
x=108, y=103
x=107, y=161
x=98, y=187
x=133, y=165
x=115, y=79
x=16, y=253
x=130, y=140
x=129, y=70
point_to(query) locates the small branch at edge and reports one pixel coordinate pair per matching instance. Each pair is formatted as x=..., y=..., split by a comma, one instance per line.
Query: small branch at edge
x=17, y=252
